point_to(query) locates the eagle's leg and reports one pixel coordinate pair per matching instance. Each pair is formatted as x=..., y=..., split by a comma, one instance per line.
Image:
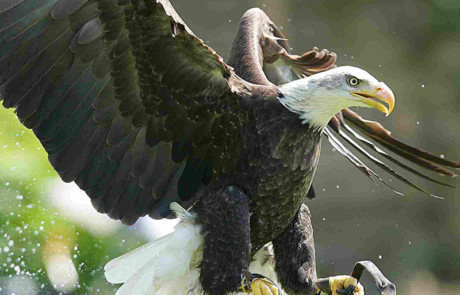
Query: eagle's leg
x=223, y=214
x=295, y=261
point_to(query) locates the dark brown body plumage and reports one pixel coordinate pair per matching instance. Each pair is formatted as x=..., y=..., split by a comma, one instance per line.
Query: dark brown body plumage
x=277, y=161
x=276, y=169
x=139, y=112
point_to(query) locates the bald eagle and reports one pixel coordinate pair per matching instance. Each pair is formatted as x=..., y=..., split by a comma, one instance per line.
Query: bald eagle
x=147, y=119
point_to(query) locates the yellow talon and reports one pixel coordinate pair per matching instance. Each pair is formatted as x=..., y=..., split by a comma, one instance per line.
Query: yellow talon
x=342, y=282
x=263, y=287
x=255, y=284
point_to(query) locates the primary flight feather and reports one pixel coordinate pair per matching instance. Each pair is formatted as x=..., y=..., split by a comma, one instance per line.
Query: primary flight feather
x=141, y=114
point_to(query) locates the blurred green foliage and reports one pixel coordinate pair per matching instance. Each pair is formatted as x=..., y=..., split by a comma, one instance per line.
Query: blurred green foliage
x=28, y=222
x=414, y=46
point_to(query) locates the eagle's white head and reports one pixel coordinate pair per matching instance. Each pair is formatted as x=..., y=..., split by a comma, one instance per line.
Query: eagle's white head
x=319, y=97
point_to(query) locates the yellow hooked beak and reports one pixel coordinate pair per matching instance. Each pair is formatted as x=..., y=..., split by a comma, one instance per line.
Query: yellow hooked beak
x=381, y=93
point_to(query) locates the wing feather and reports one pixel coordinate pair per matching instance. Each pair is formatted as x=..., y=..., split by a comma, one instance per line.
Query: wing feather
x=356, y=161
x=416, y=155
x=391, y=158
x=9, y=4
x=122, y=95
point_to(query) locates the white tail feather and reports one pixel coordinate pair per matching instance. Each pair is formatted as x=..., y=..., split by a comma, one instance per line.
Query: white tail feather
x=163, y=266
x=122, y=268
x=169, y=265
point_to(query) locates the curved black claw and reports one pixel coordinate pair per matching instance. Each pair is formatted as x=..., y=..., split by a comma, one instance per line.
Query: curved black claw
x=347, y=291
x=247, y=278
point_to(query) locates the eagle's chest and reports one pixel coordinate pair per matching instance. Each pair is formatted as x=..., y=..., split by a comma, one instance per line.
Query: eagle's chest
x=277, y=186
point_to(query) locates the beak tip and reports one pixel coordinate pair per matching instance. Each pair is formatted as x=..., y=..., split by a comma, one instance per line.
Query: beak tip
x=387, y=96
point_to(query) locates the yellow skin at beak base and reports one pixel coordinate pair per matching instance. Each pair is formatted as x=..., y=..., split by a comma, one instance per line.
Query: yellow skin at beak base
x=382, y=93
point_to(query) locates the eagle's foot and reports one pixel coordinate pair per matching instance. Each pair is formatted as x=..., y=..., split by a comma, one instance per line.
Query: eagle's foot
x=256, y=284
x=345, y=285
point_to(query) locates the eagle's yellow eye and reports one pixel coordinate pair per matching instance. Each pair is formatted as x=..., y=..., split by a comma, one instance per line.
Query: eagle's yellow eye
x=353, y=81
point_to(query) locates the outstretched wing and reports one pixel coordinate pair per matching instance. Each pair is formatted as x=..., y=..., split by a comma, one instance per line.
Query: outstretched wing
x=276, y=65
x=127, y=102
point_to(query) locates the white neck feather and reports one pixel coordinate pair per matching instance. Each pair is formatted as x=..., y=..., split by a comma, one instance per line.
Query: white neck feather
x=315, y=103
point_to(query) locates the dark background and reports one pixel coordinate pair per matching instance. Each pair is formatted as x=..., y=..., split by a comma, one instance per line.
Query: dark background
x=413, y=46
